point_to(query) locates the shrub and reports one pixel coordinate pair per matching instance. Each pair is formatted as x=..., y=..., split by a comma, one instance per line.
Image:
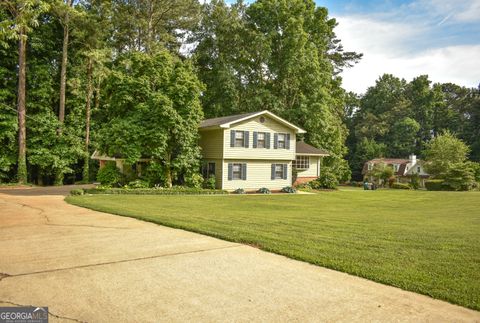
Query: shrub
x=325, y=181
x=400, y=186
x=239, y=191
x=176, y=190
x=415, y=181
x=263, y=190
x=210, y=182
x=460, y=177
x=110, y=175
x=77, y=191
x=194, y=180
x=434, y=185
x=138, y=184
x=288, y=189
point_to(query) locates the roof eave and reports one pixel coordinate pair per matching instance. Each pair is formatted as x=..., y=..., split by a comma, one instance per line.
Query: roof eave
x=311, y=154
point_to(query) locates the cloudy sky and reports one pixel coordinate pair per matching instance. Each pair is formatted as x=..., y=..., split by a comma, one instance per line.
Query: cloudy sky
x=440, y=38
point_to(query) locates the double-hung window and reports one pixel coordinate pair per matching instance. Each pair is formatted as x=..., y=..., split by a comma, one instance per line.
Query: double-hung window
x=237, y=171
x=278, y=171
x=239, y=138
x=281, y=141
x=261, y=140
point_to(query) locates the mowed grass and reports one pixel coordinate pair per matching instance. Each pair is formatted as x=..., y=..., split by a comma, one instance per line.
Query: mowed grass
x=426, y=242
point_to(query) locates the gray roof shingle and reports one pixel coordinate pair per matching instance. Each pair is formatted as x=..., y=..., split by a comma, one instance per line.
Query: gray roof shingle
x=304, y=148
x=221, y=120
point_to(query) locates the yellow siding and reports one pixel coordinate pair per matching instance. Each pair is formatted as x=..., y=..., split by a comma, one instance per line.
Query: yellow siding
x=258, y=175
x=211, y=142
x=252, y=125
x=312, y=171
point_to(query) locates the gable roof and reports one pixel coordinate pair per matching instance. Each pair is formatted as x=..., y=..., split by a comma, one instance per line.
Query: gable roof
x=228, y=121
x=303, y=148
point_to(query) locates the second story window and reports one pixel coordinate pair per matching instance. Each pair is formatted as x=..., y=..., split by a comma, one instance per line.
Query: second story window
x=239, y=138
x=261, y=140
x=396, y=167
x=281, y=141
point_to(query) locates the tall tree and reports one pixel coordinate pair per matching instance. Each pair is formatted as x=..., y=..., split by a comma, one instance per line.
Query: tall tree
x=153, y=110
x=23, y=17
x=277, y=55
x=63, y=8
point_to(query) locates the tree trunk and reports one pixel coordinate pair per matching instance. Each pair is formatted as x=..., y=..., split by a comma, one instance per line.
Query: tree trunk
x=63, y=72
x=22, y=132
x=87, y=118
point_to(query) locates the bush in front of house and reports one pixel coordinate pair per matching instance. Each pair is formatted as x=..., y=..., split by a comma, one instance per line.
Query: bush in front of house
x=239, y=191
x=400, y=186
x=175, y=190
x=288, y=189
x=210, y=183
x=434, y=185
x=325, y=181
x=110, y=175
x=137, y=184
x=77, y=191
x=194, y=180
x=415, y=181
x=263, y=190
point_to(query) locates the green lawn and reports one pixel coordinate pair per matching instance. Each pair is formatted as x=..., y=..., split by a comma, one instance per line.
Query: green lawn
x=427, y=242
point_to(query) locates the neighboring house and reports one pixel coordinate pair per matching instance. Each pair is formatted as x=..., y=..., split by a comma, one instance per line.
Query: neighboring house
x=255, y=150
x=250, y=151
x=403, y=168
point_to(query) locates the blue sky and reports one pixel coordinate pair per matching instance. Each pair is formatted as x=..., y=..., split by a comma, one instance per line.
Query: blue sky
x=440, y=38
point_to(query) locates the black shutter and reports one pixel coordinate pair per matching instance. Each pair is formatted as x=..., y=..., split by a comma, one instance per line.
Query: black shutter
x=287, y=141
x=273, y=171
x=245, y=138
x=232, y=138
x=285, y=170
x=244, y=171
x=255, y=139
x=267, y=140
x=275, y=141
x=230, y=172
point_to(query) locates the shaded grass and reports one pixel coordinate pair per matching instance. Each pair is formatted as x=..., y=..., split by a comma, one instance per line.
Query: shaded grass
x=426, y=242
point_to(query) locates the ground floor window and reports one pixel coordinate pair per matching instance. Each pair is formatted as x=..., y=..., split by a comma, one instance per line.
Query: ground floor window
x=301, y=162
x=237, y=171
x=279, y=171
x=208, y=169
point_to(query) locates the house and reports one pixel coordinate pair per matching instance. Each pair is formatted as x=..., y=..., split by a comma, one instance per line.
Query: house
x=249, y=151
x=403, y=168
x=255, y=150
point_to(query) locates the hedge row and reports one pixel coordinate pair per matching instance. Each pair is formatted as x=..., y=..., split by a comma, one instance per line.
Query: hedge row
x=401, y=186
x=151, y=191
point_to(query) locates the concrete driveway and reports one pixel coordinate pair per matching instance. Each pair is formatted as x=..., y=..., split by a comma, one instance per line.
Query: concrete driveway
x=94, y=267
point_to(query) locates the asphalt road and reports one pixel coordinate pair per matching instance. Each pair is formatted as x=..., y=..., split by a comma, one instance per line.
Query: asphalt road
x=89, y=266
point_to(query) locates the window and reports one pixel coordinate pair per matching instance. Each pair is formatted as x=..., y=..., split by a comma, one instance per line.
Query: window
x=237, y=171
x=370, y=166
x=301, y=162
x=261, y=140
x=396, y=167
x=418, y=169
x=281, y=141
x=278, y=171
x=208, y=169
x=239, y=138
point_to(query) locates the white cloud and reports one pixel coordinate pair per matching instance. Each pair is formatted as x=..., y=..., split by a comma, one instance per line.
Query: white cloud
x=389, y=47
